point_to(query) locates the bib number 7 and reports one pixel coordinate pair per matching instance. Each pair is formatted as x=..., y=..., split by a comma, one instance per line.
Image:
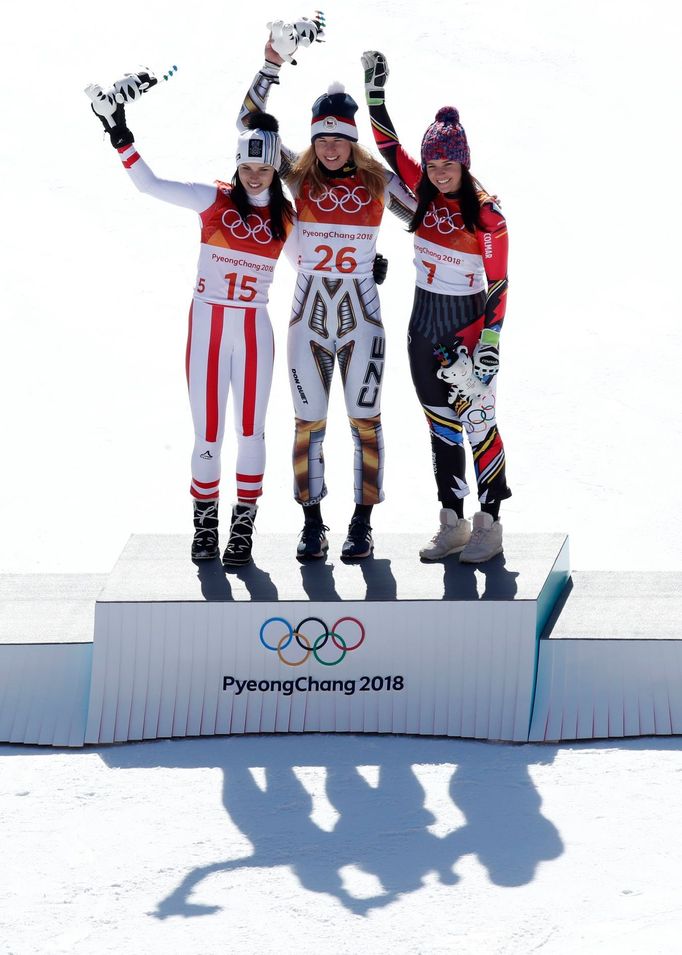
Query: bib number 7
x=430, y=271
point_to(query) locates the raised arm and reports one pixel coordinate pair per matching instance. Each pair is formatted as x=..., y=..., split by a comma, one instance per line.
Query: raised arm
x=111, y=113
x=190, y=195
x=284, y=40
x=256, y=101
x=385, y=135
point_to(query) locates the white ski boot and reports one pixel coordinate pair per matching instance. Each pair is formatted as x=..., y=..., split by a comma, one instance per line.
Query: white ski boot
x=486, y=540
x=450, y=538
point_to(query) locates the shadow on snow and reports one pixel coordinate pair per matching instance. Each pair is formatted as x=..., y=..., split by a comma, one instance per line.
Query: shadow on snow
x=383, y=829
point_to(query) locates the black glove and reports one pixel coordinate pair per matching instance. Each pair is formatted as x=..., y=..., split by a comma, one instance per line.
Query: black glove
x=379, y=269
x=111, y=114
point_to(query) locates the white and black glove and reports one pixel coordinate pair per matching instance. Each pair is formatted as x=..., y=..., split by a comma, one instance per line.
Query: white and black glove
x=285, y=38
x=376, y=74
x=487, y=355
x=108, y=106
x=111, y=114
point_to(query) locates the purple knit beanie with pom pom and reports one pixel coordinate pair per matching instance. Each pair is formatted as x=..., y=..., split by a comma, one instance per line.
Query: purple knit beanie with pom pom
x=445, y=139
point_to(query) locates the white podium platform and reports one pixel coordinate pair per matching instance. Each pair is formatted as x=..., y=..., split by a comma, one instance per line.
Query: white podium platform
x=46, y=624
x=610, y=660
x=386, y=645
x=518, y=649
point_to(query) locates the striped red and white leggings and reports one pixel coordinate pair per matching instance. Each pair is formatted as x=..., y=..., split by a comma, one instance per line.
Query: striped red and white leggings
x=228, y=348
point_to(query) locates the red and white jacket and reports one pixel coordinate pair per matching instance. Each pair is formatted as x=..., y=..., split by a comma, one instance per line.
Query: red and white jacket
x=236, y=258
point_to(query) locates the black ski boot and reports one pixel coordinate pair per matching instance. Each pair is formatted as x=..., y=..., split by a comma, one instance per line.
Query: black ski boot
x=238, y=550
x=205, y=543
x=313, y=543
x=358, y=543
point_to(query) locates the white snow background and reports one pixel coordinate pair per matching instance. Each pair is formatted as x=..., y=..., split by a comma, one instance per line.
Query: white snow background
x=330, y=844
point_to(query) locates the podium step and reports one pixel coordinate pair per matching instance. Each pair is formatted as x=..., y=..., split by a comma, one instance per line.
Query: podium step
x=386, y=645
x=157, y=568
x=46, y=630
x=610, y=662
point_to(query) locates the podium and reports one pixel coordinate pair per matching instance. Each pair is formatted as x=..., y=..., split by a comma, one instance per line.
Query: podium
x=384, y=645
x=517, y=649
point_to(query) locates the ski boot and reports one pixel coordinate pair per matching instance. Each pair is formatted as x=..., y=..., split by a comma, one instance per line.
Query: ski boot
x=238, y=550
x=451, y=537
x=313, y=544
x=486, y=540
x=358, y=543
x=205, y=543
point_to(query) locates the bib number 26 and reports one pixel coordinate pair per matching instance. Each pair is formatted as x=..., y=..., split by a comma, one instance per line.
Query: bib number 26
x=344, y=260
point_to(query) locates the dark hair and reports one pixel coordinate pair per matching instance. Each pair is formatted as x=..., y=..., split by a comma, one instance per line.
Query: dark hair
x=281, y=210
x=468, y=200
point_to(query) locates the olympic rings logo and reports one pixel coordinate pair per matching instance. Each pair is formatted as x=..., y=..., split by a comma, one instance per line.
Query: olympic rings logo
x=476, y=419
x=252, y=228
x=481, y=414
x=311, y=645
x=443, y=220
x=343, y=198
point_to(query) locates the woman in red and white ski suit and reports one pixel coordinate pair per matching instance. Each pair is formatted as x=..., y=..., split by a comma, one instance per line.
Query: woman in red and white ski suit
x=244, y=226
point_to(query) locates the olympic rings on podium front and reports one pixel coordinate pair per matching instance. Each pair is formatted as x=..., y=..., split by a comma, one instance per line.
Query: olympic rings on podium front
x=279, y=645
x=318, y=642
x=335, y=636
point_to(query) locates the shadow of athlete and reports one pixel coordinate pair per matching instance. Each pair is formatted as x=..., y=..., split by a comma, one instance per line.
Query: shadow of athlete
x=508, y=834
x=388, y=823
x=460, y=580
x=383, y=829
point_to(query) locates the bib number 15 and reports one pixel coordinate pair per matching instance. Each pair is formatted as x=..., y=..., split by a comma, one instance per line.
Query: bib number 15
x=343, y=262
x=246, y=288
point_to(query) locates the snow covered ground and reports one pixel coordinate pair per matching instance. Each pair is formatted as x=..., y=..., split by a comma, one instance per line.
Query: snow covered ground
x=341, y=845
x=324, y=844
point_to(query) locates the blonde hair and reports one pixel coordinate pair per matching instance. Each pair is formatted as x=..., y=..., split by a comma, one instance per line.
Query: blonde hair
x=371, y=173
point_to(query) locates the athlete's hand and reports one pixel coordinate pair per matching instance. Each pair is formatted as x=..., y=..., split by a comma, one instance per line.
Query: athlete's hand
x=379, y=268
x=271, y=54
x=486, y=355
x=376, y=75
x=111, y=114
x=104, y=106
x=285, y=38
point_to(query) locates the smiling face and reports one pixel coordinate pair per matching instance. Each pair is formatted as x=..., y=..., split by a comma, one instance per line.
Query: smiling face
x=445, y=174
x=255, y=177
x=332, y=151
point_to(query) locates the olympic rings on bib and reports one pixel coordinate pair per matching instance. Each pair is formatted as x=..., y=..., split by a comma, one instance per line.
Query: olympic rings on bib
x=443, y=220
x=313, y=645
x=253, y=228
x=343, y=198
